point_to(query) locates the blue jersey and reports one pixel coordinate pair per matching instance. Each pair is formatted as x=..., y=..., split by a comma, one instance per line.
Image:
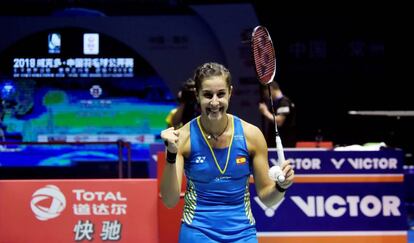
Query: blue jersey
x=217, y=199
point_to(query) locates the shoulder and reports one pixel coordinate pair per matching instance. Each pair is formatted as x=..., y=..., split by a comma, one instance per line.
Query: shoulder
x=255, y=141
x=184, y=132
x=254, y=136
x=249, y=129
x=184, y=139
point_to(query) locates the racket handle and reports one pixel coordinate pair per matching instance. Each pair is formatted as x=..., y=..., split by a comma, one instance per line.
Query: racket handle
x=279, y=149
x=277, y=173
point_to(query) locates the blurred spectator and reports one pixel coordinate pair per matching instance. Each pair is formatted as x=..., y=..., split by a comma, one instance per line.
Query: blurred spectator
x=285, y=116
x=188, y=106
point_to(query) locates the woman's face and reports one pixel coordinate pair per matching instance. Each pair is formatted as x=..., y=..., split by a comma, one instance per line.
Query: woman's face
x=214, y=97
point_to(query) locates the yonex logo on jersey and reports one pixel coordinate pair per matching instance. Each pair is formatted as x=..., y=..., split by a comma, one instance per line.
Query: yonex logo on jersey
x=238, y=137
x=200, y=159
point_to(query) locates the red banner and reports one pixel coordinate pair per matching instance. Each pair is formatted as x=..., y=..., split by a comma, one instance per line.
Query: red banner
x=78, y=210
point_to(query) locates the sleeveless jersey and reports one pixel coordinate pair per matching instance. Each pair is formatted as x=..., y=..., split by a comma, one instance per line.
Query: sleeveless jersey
x=217, y=198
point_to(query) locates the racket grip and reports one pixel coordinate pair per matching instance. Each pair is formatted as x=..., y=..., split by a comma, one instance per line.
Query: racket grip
x=279, y=149
x=277, y=173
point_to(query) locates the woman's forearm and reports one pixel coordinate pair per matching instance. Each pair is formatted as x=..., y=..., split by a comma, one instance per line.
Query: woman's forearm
x=170, y=190
x=270, y=196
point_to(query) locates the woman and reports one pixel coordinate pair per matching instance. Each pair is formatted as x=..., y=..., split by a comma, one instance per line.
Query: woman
x=218, y=152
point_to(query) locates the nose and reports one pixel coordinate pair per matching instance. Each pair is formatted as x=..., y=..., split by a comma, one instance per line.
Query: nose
x=214, y=101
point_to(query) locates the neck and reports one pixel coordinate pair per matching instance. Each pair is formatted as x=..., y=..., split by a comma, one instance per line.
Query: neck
x=214, y=129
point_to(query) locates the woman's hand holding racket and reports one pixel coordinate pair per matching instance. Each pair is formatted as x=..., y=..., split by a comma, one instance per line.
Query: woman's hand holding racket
x=283, y=175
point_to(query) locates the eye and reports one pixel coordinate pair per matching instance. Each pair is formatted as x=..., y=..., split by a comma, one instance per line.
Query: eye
x=208, y=95
x=221, y=94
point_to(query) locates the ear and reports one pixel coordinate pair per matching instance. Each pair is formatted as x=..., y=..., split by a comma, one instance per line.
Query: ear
x=231, y=90
x=197, y=97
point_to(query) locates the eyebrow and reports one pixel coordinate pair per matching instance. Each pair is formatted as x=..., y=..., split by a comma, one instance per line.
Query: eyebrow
x=210, y=91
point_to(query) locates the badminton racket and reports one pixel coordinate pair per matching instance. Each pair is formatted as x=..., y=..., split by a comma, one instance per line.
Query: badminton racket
x=265, y=65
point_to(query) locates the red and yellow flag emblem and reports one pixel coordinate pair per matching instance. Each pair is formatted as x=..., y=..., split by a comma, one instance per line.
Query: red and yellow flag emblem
x=240, y=160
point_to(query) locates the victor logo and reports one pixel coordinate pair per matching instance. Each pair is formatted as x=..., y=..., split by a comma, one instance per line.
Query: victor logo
x=351, y=205
x=367, y=163
x=269, y=211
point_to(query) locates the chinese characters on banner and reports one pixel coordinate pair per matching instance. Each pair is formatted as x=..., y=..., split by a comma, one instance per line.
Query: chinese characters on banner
x=30, y=67
x=107, y=205
x=111, y=230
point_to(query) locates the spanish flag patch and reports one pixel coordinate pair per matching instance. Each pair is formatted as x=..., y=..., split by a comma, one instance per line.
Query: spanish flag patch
x=240, y=160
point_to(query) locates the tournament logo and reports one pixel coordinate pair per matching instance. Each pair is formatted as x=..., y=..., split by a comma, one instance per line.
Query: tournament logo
x=47, y=202
x=95, y=91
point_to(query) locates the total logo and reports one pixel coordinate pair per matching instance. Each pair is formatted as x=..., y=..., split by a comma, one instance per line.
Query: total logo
x=49, y=195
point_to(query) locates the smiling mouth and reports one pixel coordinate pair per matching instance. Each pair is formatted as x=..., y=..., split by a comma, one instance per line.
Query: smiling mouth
x=209, y=110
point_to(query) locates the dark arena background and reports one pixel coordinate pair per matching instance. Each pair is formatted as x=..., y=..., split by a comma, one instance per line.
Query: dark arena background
x=86, y=86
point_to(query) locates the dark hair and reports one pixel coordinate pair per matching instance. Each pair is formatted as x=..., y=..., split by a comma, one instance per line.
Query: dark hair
x=188, y=92
x=274, y=85
x=208, y=70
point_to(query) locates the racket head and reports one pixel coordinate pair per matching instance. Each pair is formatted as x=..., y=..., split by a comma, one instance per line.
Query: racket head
x=263, y=55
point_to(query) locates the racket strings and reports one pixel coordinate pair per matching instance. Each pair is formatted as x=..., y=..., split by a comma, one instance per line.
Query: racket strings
x=263, y=53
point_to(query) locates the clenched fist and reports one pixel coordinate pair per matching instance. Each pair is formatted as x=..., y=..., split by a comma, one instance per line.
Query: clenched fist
x=170, y=137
